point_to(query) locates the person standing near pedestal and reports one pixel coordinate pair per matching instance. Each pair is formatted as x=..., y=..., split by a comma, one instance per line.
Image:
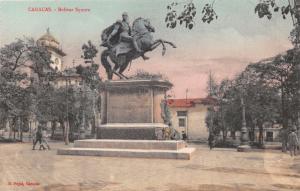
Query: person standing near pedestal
x=211, y=140
x=293, y=142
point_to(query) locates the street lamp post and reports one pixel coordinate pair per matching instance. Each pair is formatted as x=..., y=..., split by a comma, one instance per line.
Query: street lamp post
x=67, y=125
x=244, y=130
x=244, y=146
x=82, y=126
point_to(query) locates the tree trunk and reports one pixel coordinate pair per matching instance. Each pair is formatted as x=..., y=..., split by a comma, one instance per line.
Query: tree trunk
x=224, y=132
x=252, y=133
x=67, y=127
x=95, y=117
x=63, y=128
x=284, y=117
x=261, y=135
x=53, y=128
x=93, y=127
x=30, y=130
x=10, y=128
x=21, y=128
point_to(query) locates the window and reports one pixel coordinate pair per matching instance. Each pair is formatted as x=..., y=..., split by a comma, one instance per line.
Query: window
x=182, y=122
x=181, y=113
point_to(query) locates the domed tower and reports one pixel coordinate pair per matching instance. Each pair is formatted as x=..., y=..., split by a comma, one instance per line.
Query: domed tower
x=53, y=47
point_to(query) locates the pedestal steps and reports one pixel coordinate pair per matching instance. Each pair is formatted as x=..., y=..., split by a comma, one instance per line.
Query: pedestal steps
x=130, y=148
x=130, y=144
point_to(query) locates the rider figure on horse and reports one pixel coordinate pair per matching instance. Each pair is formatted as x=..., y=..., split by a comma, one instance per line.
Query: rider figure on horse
x=124, y=44
x=124, y=30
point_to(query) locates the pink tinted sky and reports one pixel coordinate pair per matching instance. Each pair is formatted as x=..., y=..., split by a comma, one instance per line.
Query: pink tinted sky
x=224, y=47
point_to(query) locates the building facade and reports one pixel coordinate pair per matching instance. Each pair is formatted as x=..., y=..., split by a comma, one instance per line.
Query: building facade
x=188, y=116
x=54, y=47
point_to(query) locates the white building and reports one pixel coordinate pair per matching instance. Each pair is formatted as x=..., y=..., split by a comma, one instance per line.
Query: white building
x=53, y=46
x=188, y=116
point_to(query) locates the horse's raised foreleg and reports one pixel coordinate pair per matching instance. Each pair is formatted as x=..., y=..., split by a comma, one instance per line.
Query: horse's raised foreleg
x=156, y=44
x=168, y=42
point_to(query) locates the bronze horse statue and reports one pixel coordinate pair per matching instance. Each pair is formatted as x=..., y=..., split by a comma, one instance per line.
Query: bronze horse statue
x=122, y=53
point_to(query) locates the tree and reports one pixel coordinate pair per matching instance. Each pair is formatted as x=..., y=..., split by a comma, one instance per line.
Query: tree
x=26, y=53
x=188, y=14
x=261, y=101
x=188, y=11
x=215, y=119
x=261, y=104
x=73, y=104
x=275, y=73
x=14, y=101
x=91, y=78
x=18, y=90
x=212, y=86
x=266, y=8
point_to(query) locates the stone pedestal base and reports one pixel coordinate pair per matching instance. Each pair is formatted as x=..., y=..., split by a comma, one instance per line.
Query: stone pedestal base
x=138, y=131
x=130, y=148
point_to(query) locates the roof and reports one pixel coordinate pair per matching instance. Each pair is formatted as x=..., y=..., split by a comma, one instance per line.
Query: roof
x=191, y=102
x=50, y=42
x=48, y=37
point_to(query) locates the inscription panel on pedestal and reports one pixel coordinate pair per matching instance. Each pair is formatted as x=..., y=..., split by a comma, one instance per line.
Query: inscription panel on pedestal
x=129, y=106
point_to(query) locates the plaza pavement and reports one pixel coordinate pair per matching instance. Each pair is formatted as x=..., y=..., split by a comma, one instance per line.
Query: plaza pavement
x=218, y=170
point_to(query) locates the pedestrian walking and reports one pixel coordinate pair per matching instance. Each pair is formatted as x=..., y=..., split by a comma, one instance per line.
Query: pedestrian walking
x=44, y=140
x=284, y=139
x=38, y=138
x=293, y=142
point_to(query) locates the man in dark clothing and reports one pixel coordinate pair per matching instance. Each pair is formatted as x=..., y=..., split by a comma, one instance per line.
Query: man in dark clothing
x=38, y=138
x=184, y=137
x=211, y=140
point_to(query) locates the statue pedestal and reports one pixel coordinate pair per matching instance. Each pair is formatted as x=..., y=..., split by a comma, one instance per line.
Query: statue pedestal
x=131, y=109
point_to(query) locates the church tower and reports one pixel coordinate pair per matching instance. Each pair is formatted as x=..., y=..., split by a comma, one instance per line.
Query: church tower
x=53, y=47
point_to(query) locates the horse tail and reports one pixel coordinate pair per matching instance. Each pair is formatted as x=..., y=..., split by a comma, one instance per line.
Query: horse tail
x=106, y=64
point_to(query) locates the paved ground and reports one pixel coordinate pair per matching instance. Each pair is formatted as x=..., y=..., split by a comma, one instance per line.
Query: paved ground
x=218, y=170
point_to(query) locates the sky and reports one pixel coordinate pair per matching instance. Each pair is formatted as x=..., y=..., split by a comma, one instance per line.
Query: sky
x=224, y=47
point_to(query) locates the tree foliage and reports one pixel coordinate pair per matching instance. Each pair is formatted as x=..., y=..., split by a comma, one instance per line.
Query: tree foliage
x=212, y=86
x=143, y=75
x=269, y=89
x=266, y=8
x=17, y=88
x=187, y=14
x=89, y=73
x=184, y=12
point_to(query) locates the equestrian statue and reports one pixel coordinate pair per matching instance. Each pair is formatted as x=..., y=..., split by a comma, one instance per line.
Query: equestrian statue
x=125, y=44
